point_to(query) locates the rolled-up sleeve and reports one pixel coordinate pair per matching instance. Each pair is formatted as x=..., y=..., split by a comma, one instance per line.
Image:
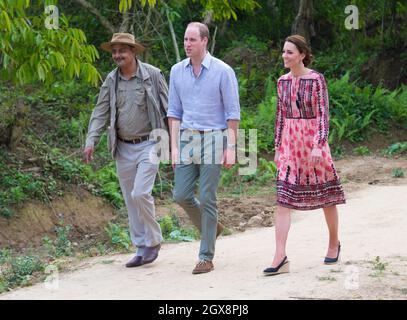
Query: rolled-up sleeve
x=230, y=94
x=174, y=101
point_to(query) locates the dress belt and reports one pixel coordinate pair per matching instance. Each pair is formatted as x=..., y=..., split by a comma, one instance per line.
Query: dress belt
x=135, y=140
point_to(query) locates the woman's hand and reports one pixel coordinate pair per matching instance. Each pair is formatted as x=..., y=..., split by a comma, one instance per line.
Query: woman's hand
x=276, y=156
x=316, y=156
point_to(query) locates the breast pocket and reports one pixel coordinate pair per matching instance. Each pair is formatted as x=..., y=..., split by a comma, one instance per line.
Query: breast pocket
x=121, y=96
x=139, y=97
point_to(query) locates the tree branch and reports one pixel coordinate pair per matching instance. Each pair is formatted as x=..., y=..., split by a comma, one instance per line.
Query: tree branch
x=125, y=25
x=106, y=23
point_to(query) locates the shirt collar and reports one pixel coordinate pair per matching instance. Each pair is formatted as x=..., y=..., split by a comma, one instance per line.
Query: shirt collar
x=206, y=62
x=140, y=72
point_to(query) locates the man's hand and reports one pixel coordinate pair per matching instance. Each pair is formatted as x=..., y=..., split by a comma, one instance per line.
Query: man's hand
x=174, y=157
x=88, y=154
x=229, y=158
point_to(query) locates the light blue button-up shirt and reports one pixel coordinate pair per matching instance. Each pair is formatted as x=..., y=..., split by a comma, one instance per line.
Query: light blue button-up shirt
x=207, y=101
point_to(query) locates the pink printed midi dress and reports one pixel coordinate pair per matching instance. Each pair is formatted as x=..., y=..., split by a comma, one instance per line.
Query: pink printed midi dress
x=301, y=131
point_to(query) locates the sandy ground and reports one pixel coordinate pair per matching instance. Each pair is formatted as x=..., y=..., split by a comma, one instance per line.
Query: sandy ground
x=373, y=224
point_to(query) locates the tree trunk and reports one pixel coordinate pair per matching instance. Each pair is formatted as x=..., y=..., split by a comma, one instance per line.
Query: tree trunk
x=214, y=40
x=173, y=36
x=303, y=24
x=12, y=133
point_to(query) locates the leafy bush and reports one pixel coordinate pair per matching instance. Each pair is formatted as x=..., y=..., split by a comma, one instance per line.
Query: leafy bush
x=397, y=148
x=362, y=151
x=18, y=271
x=355, y=110
x=265, y=174
x=172, y=231
x=397, y=173
x=264, y=119
x=119, y=236
x=61, y=246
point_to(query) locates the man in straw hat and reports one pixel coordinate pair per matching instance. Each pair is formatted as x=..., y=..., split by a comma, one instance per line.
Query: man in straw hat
x=133, y=99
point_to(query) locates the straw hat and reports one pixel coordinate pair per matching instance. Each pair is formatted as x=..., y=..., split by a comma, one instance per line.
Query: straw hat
x=123, y=38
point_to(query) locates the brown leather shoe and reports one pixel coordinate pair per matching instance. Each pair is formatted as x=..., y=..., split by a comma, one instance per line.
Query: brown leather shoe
x=135, y=262
x=219, y=229
x=203, y=266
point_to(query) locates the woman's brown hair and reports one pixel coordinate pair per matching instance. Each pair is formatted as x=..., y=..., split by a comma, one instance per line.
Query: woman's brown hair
x=302, y=46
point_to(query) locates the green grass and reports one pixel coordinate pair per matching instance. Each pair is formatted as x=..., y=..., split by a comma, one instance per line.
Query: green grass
x=397, y=173
x=19, y=270
x=172, y=230
x=362, y=151
x=62, y=245
x=396, y=148
x=378, y=267
x=119, y=236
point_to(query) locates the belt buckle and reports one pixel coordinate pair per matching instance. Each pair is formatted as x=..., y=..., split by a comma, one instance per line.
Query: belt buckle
x=136, y=140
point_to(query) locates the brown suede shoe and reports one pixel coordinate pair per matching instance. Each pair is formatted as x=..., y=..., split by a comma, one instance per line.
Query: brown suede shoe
x=203, y=266
x=219, y=229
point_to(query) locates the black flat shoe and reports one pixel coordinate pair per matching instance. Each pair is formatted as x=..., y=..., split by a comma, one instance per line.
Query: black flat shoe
x=283, y=267
x=333, y=260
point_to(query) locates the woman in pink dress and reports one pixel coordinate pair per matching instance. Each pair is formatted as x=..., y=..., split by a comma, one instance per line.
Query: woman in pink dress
x=306, y=175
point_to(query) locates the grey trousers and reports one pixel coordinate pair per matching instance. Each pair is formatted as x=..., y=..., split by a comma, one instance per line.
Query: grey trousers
x=136, y=176
x=200, y=164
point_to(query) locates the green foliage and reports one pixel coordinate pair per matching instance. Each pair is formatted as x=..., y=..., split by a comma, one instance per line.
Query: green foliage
x=378, y=266
x=5, y=256
x=362, y=151
x=6, y=212
x=222, y=9
x=61, y=246
x=15, y=185
x=18, y=271
x=397, y=148
x=264, y=119
x=355, y=110
x=397, y=173
x=31, y=52
x=164, y=181
x=172, y=231
x=265, y=174
x=107, y=178
x=119, y=236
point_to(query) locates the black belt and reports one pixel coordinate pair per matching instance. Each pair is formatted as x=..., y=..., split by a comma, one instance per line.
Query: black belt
x=202, y=131
x=135, y=140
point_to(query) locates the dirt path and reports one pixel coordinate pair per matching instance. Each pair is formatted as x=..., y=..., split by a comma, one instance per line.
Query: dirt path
x=373, y=224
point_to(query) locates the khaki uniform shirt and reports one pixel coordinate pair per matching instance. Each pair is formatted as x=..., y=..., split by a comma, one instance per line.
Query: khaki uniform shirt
x=132, y=115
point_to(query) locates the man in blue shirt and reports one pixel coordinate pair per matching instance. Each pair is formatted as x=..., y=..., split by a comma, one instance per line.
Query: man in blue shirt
x=204, y=114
